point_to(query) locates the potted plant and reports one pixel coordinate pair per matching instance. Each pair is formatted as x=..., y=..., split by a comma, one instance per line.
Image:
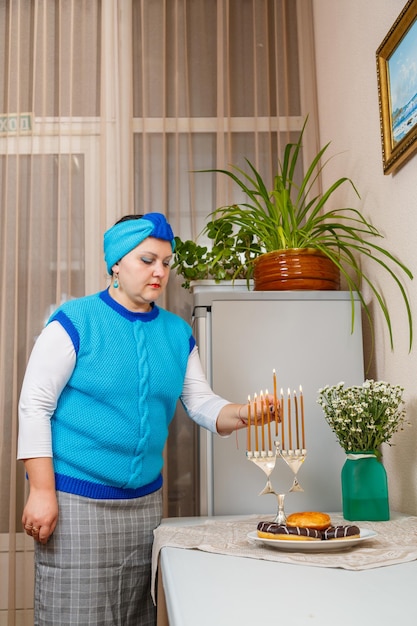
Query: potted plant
x=363, y=417
x=289, y=219
x=227, y=259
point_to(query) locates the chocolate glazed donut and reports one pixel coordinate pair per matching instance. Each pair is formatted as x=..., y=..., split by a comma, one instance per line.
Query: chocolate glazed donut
x=271, y=530
x=341, y=532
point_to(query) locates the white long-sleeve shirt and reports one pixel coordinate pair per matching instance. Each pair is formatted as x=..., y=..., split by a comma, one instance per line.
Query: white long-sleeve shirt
x=49, y=369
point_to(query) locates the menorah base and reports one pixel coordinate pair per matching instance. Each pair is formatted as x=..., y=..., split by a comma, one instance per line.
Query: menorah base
x=280, y=518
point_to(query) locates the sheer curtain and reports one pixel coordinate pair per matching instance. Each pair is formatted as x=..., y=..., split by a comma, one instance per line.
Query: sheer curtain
x=214, y=83
x=108, y=108
x=50, y=113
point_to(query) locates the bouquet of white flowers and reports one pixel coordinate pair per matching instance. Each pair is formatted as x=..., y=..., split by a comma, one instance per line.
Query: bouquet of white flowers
x=363, y=417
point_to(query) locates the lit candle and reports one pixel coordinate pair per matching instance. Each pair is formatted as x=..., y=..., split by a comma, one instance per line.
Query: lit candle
x=289, y=419
x=249, y=424
x=302, y=418
x=255, y=413
x=268, y=418
x=296, y=420
x=282, y=420
x=262, y=421
x=275, y=403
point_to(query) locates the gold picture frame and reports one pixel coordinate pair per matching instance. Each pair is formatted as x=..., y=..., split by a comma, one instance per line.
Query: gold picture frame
x=397, y=104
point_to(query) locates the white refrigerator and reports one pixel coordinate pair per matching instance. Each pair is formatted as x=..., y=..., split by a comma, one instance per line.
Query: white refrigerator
x=307, y=338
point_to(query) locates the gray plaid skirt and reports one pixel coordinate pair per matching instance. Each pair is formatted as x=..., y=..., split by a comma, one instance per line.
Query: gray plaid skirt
x=96, y=568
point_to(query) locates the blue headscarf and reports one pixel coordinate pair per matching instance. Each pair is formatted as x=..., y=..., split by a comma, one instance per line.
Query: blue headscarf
x=124, y=236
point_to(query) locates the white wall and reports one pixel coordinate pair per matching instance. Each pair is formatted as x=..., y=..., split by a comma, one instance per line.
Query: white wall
x=347, y=35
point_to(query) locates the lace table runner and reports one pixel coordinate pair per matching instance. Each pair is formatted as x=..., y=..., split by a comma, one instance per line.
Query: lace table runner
x=396, y=542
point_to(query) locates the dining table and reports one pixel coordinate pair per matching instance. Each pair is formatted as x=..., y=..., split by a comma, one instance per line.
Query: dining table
x=215, y=571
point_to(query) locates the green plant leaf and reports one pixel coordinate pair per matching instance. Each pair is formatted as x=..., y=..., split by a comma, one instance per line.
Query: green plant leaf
x=290, y=215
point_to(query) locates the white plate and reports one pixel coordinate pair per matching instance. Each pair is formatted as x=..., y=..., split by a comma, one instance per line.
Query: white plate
x=312, y=546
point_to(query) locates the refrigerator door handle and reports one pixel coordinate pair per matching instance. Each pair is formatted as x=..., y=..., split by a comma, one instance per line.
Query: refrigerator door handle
x=201, y=323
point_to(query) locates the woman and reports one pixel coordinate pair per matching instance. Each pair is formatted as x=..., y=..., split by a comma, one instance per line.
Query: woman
x=99, y=393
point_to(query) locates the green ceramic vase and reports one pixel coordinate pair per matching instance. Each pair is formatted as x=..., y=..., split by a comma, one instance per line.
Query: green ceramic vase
x=364, y=488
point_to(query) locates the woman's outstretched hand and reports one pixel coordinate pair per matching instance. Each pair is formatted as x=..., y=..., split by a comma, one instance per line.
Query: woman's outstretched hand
x=235, y=416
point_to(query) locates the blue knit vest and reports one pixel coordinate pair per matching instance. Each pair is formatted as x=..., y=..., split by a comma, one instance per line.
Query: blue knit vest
x=111, y=421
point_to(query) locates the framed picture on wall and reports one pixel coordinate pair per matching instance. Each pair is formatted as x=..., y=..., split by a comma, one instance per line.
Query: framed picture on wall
x=397, y=88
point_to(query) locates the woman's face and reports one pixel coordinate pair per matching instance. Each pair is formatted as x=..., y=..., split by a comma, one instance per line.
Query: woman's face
x=142, y=274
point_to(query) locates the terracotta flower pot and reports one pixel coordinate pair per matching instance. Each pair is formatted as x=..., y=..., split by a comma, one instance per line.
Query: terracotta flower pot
x=295, y=268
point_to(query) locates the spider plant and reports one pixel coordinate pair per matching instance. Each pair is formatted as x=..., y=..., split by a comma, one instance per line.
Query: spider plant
x=292, y=216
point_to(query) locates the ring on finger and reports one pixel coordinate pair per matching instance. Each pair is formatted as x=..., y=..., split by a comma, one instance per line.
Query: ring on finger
x=35, y=531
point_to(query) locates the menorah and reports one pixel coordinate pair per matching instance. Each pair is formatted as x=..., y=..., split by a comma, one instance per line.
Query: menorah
x=286, y=418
